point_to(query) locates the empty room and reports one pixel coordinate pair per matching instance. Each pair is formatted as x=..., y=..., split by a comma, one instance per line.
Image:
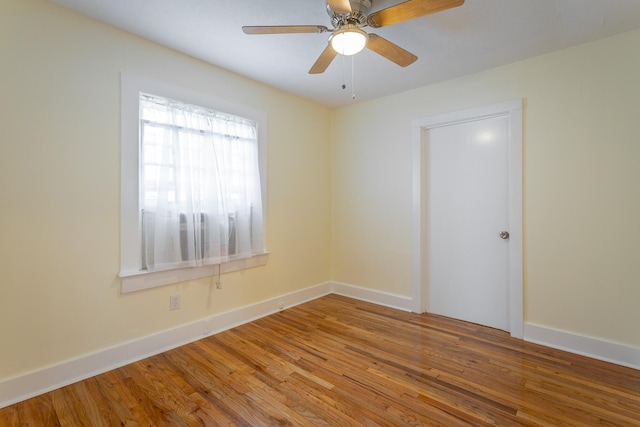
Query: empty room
x=439, y=227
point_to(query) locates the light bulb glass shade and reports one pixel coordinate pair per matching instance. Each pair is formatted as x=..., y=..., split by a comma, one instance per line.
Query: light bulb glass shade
x=349, y=41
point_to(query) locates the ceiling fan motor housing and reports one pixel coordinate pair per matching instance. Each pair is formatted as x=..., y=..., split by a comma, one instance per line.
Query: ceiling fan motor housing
x=359, y=11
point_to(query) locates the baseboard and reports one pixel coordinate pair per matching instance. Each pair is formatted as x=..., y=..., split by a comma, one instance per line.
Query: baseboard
x=586, y=346
x=25, y=386
x=370, y=295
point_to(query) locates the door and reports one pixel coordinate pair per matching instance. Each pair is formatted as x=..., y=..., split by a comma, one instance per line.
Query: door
x=469, y=221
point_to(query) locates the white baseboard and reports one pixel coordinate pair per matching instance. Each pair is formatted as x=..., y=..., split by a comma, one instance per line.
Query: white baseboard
x=25, y=386
x=370, y=295
x=586, y=346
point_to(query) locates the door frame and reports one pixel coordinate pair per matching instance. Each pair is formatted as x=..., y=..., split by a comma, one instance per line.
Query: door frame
x=420, y=214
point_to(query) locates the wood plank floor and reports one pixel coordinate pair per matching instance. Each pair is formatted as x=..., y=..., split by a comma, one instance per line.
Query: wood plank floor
x=340, y=362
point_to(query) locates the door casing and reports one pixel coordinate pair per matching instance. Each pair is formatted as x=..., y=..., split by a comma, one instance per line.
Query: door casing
x=420, y=259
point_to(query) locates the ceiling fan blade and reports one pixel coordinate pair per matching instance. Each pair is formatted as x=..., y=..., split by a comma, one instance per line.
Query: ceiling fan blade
x=392, y=52
x=284, y=29
x=340, y=6
x=324, y=60
x=410, y=9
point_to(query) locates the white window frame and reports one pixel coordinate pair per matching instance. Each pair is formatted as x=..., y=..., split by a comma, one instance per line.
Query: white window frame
x=131, y=275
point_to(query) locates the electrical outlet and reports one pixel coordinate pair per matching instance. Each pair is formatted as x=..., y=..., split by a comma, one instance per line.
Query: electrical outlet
x=174, y=302
x=281, y=305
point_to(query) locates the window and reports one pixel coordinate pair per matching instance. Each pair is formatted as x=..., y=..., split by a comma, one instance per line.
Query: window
x=192, y=185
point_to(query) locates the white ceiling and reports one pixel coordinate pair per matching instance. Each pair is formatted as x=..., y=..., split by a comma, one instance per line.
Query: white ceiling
x=476, y=36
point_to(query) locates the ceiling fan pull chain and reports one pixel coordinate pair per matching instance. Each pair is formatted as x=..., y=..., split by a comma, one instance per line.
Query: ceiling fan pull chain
x=344, y=85
x=353, y=78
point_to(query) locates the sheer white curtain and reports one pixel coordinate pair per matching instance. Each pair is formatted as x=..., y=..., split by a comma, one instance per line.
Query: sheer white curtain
x=200, y=194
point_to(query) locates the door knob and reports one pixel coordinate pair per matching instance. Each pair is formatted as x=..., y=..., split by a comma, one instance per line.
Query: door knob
x=504, y=235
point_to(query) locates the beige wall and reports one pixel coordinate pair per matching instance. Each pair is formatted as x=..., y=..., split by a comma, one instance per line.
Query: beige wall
x=60, y=189
x=581, y=184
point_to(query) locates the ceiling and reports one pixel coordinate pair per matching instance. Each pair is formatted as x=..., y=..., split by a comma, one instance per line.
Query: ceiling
x=476, y=36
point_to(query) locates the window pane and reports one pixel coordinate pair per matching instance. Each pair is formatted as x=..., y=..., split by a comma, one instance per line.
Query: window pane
x=199, y=187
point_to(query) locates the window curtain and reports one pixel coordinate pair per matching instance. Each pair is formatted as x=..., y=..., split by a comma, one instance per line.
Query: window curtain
x=200, y=193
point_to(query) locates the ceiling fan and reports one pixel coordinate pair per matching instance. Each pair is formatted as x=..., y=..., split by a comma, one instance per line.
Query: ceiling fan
x=348, y=17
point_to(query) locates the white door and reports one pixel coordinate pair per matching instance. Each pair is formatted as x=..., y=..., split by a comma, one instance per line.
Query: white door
x=468, y=211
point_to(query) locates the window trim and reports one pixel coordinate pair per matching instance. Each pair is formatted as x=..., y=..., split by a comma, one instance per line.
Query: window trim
x=132, y=277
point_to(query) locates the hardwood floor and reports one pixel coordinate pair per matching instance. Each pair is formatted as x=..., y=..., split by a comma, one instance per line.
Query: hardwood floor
x=337, y=361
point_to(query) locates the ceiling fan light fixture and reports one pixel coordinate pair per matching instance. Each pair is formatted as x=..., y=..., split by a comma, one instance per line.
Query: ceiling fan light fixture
x=349, y=40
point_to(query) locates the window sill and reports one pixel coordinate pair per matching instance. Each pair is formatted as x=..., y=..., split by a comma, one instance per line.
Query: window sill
x=139, y=280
